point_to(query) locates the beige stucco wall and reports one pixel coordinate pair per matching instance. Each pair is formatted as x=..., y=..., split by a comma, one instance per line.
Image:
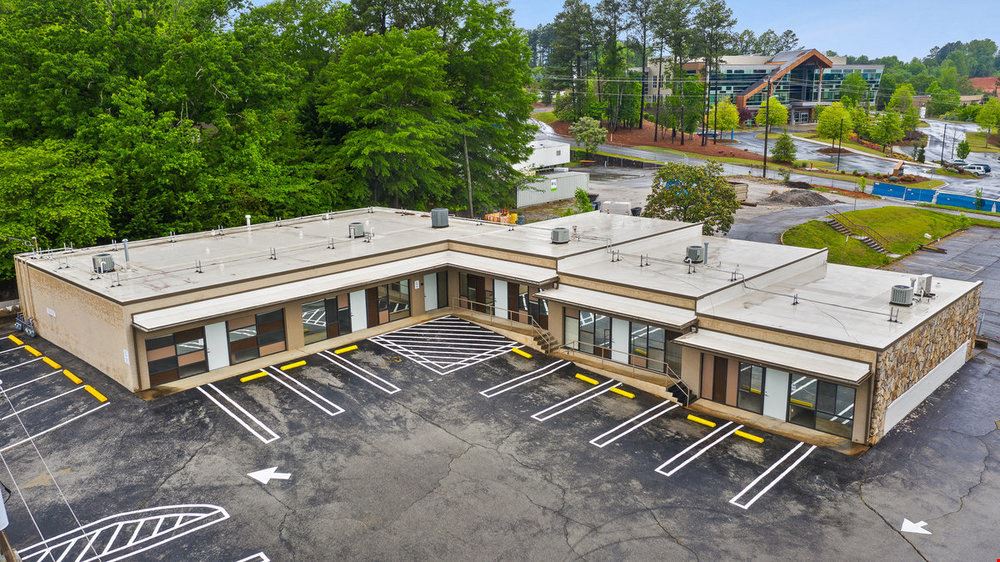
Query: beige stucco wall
x=907, y=361
x=807, y=343
x=633, y=292
x=88, y=326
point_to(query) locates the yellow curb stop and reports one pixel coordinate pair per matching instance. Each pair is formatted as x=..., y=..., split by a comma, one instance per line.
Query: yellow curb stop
x=69, y=375
x=585, y=378
x=521, y=352
x=345, y=349
x=624, y=393
x=749, y=436
x=51, y=363
x=292, y=365
x=15, y=339
x=253, y=377
x=32, y=351
x=702, y=421
x=93, y=392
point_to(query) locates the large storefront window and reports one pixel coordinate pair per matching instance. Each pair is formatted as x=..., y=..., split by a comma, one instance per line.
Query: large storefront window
x=398, y=293
x=475, y=293
x=751, y=388
x=327, y=318
x=821, y=405
x=176, y=356
x=256, y=336
x=651, y=347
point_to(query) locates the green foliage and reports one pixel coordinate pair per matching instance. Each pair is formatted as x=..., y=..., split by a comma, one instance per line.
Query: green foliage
x=854, y=90
x=887, y=129
x=989, y=115
x=776, y=115
x=943, y=101
x=728, y=116
x=835, y=122
x=53, y=191
x=588, y=133
x=841, y=249
x=963, y=149
x=693, y=194
x=784, y=149
x=581, y=203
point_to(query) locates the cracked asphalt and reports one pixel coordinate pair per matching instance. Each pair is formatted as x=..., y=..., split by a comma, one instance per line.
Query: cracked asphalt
x=438, y=471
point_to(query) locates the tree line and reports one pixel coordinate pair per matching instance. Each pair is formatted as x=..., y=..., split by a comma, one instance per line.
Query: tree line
x=134, y=118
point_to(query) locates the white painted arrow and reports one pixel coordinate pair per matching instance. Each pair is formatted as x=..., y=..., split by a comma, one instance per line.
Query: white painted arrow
x=911, y=527
x=266, y=475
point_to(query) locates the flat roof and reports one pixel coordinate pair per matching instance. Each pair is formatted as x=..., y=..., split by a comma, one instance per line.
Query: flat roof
x=667, y=272
x=588, y=232
x=326, y=284
x=797, y=360
x=617, y=305
x=839, y=303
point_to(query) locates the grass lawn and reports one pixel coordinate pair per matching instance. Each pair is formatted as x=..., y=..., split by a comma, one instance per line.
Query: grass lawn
x=848, y=144
x=902, y=227
x=843, y=250
x=546, y=117
x=953, y=174
x=926, y=184
x=977, y=142
x=960, y=209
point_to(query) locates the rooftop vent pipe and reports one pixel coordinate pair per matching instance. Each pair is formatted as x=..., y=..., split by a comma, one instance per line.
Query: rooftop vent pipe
x=125, y=247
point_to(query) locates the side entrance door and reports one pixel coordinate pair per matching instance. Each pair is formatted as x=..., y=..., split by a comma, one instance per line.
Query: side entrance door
x=719, y=376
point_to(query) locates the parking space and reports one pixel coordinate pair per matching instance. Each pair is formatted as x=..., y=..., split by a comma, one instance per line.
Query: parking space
x=532, y=457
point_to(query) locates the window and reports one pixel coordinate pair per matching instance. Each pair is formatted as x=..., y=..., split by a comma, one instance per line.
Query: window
x=398, y=299
x=252, y=336
x=821, y=405
x=314, y=321
x=176, y=356
x=327, y=318
x=571, y=327
x=750, y=395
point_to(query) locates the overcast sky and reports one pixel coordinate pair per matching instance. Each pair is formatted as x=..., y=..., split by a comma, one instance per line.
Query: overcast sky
x=905, y=28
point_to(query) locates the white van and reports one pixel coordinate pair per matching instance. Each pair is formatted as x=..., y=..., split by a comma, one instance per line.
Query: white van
x=978, y=169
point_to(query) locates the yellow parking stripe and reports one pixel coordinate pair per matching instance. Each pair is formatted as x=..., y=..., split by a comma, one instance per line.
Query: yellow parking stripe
x=585, y=378
x=32, y=351
x=345, y=349
x=749, y=436
x=93, y=392
x=624, y=393
x=15, y=339
x=51, y=363
x=702, y=421
x=521, y=352
x=69, y=375
x=292, y=365
x=253, y=377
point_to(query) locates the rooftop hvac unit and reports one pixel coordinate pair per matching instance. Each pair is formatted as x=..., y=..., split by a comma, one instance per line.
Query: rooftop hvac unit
x=560, y=235
x=695, y=254
x=356, y=230
x=902, y=295
x=439, y=218
x=104, y=263
x=924, y=284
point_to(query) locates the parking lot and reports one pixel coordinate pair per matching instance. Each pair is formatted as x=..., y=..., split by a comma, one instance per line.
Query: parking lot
x=440, y=441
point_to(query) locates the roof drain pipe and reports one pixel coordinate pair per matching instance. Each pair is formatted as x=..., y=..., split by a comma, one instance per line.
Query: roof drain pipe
x=125, y=247
x=248, y=223
x=704, y=257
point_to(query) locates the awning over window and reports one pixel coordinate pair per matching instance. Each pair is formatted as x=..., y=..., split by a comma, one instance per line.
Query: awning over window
x=318, y=286
x=797, y=360
x=622, y=307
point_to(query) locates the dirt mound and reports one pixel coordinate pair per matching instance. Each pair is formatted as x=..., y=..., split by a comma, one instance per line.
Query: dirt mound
x=797, y=198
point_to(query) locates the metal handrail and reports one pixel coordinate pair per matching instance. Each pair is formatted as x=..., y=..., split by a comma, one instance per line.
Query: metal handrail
x=867, y=231
x=670, y=373
x=490, y=310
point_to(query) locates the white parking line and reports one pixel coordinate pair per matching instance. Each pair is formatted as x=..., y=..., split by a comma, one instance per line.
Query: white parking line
x=36, y=404
x=259, y=557
x=576, y=400
x=272, y=435
x=18, y=385
x=650, y=415
x=700, y=451
x=735, y=500
x=507, y=385
x=11, y=349
x=23, y=363
x=53, y=428
x=278, y=375
x=356, y=370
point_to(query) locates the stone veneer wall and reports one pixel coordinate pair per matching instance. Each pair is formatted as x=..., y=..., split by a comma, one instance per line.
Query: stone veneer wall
x=907, y=361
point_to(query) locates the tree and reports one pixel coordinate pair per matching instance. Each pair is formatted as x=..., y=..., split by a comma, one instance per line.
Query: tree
x=902, y=102
x=775, y=116
x=715, y=21
x=944, y=100
x=588, y=133
x=673, y=29
x=640, y=13
x=887, y=129
x=989, y=117
x=693, y=194
x=724, y=115
x=854, y=90
x=784, y=150
x=963, y=149
x=835, y=122
x=387, y=91
x=573, y=46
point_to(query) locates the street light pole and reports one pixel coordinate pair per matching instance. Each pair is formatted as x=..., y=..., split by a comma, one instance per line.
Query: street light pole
x=944, y=141
x=767, y=122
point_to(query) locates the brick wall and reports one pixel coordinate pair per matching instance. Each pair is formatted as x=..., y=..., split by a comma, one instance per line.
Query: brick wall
x=907, y=361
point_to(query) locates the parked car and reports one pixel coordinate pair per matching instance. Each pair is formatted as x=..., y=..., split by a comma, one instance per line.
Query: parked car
x=978, y=169
x=959, y=162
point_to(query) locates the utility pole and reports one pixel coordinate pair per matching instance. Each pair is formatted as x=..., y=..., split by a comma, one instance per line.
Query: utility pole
x=767, y=122
x=840, y=137
x=704, y=120
x=944, y=141
x=468, y=174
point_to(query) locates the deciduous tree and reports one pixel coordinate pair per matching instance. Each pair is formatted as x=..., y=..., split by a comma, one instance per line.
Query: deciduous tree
x=588, y=133
x=693, y=194
x=835, y=122
x=775, y=116
x=784, y=149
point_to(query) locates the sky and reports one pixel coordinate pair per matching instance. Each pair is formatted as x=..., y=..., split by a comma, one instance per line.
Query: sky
x=905, y=28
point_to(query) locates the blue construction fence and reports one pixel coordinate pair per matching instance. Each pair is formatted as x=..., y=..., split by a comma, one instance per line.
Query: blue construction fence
x=932, y=196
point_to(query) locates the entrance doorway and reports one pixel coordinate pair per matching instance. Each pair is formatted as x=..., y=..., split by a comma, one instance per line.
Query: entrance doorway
x=719, y=375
